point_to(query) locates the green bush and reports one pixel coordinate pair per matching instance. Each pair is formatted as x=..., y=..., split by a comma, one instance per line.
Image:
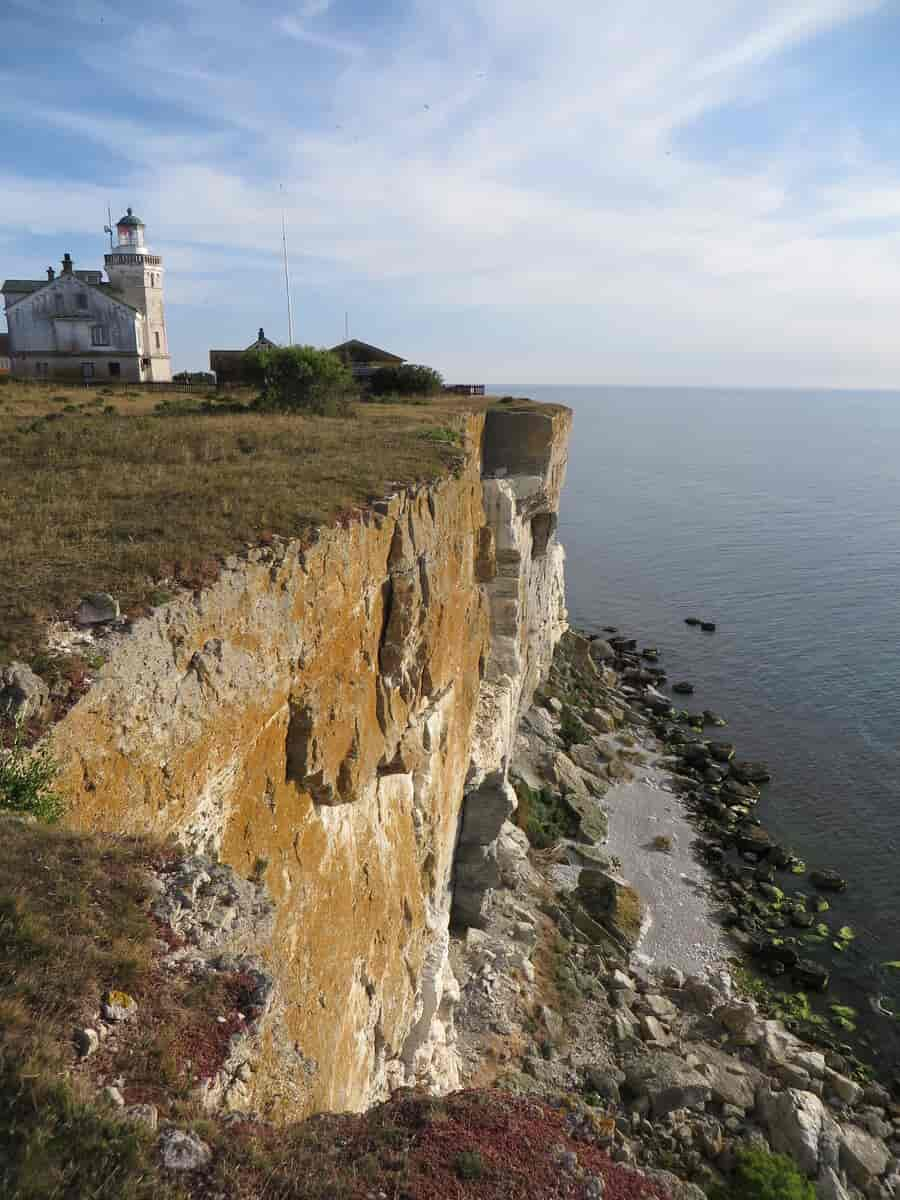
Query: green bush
x=407, y=380
x=760, y=1175
x=253, y=367
x=304, y=379
x=571, y=728
x=544, y=817
x=26, y=778
x=469, y=1164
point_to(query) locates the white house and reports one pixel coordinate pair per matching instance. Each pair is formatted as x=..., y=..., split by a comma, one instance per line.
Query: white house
x=76, y=325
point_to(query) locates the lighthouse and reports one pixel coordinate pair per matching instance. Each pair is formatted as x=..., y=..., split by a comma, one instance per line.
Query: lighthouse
x=136, y=276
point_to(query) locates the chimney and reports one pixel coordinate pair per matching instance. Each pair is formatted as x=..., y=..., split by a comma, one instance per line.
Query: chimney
x=51, y=274
x=67, y=264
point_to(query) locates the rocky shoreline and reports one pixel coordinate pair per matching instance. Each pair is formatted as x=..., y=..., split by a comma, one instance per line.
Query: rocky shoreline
x=598, y=971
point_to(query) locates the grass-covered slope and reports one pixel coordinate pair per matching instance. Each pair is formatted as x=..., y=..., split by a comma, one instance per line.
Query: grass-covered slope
x=75, y=924
x=119, y=491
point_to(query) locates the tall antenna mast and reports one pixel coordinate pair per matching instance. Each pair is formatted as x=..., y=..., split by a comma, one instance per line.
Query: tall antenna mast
x=287, y=277
x=108, y=227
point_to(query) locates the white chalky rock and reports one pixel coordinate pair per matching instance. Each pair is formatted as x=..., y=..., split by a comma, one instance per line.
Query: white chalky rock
x=182, y=1151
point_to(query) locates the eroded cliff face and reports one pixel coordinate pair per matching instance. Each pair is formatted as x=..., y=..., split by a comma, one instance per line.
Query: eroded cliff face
x=340, y=717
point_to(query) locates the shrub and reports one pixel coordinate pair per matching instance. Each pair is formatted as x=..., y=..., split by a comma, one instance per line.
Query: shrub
x=469, y=1164
x=302, y=378
x=443, y=436
x=26, y=777
x=253, y=366
x=760, y=1175
x=571, y=728
x=407, y=380
x=543, y=816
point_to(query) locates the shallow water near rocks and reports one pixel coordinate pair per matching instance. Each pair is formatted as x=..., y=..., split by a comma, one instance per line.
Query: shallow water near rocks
x=777, y=515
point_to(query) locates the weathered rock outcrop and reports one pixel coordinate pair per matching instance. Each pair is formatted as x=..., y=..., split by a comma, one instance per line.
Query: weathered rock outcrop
x=317, y=717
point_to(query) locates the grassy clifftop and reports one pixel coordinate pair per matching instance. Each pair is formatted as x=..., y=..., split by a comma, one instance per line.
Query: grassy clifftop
x=116, y=491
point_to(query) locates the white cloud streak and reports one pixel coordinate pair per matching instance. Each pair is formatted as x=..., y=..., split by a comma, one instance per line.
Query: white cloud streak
x=520, y=158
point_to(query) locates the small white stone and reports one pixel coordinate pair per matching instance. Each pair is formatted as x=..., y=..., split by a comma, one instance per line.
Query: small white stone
x=86, y=1042
x=143, y=1114
x=182, y=1151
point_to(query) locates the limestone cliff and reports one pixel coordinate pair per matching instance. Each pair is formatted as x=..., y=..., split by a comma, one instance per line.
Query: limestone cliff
x=338, y=717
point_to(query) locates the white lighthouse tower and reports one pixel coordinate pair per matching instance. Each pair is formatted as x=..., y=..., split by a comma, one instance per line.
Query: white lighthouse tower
x=136, y=275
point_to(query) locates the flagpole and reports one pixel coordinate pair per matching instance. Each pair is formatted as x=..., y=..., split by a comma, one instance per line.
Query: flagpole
x=287, y=278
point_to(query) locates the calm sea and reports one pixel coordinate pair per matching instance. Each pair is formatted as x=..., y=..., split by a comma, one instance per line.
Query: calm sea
x=777, y=515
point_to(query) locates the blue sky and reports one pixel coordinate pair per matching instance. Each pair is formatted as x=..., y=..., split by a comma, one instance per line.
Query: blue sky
x=625, y=191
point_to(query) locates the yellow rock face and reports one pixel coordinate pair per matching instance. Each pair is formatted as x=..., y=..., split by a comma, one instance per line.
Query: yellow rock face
x=120, y=1000
x=316, y=708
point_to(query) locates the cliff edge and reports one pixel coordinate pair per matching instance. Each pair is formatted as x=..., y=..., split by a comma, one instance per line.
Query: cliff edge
x=338, y=719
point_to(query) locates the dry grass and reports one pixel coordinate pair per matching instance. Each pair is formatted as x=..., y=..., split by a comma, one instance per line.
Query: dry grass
x=73, y=923
x=116, y=501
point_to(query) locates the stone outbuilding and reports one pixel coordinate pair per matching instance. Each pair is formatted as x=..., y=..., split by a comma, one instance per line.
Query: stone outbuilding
x=230, y=366
x=78, y=326
x=364, y=360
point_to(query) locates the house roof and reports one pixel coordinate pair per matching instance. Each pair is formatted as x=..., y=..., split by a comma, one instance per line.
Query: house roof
x=233, y=356
x=24, y=287
x=130, y=219
x=355, y=351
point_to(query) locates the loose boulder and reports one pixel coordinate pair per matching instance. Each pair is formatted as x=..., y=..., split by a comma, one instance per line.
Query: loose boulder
x=827, y=880
x=794, y=1121
x=810, y=975
x=728, y=1079
x=613, y=904
x=98, y=608
x=601, y=651
x=753, y=839
x=666, y=1082
x=119, y=1006
x=722, y=752
x=182, y=1151
x=23, y=695
x=750, y=772
x=863, y=1157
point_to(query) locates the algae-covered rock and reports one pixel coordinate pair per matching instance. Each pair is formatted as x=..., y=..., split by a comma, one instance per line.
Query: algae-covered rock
x=593, y=823
x=612, y=903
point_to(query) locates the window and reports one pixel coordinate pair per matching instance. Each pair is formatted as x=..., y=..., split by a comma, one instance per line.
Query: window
x=87, y=370
x=99, y=335
x=83, y=301
x=145, y=362
x=115, y=370
x=158, y=342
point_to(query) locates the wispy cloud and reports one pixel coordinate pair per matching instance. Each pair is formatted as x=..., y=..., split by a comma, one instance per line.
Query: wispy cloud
x=544, y=167
x=322, y=41
x=313, y=8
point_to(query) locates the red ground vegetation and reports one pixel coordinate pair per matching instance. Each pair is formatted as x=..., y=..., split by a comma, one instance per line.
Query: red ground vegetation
x=474, y=1145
